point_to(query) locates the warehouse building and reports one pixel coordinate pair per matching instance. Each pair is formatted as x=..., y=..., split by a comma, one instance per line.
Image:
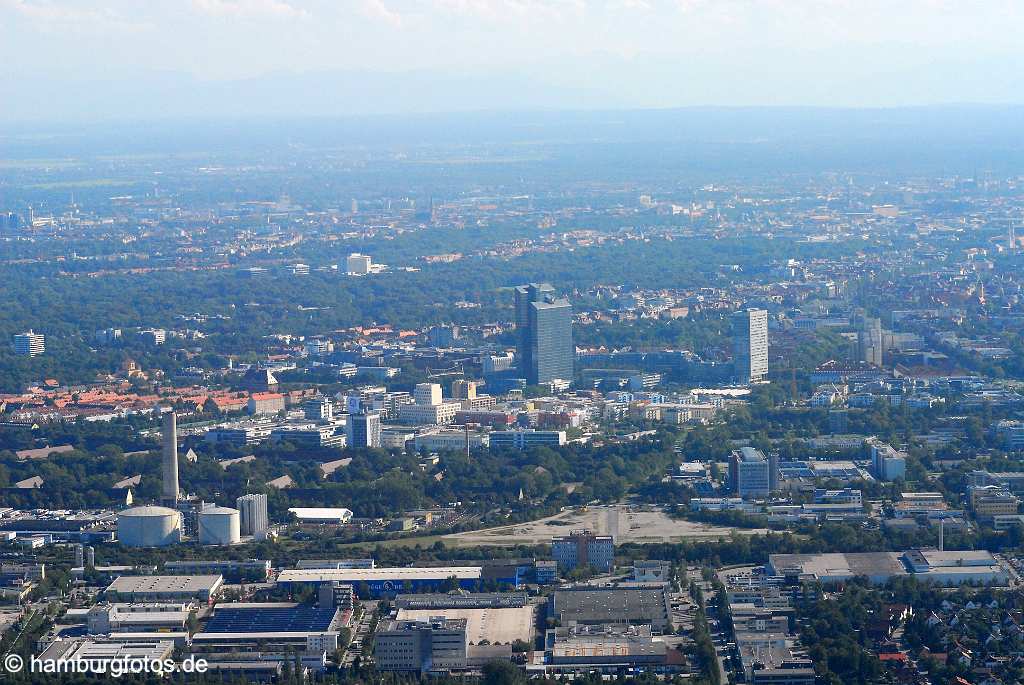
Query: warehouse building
x=100, y=653
x=279, y=630
x=607, y=647
x=138, y=618
x=492, y=617
x=636, y=605
x=377, y=582
x=944, y=568
x=165, y=588
x=235, y=569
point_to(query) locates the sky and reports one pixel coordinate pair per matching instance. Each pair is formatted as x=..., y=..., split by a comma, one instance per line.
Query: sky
x=96, y=58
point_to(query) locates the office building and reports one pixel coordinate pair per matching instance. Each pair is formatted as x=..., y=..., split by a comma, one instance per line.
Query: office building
x=544, y=330
x=428, y=407
x=309, y=435
x=358, y=264
x=427, y=393
x=319, y=408
x=581, y=549
x=438, y=644
x=253, y=518
x=524, y=439
x=464, y=390
x=449, y=439
x=751, y=473
x=443, y=336
x=29, y=344
x=750, y=345
x=363, y=430
x=239, y=433
x=338, y=595
x=497, y=363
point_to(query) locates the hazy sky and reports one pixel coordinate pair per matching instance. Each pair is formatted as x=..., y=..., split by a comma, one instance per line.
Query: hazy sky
x=616, y=52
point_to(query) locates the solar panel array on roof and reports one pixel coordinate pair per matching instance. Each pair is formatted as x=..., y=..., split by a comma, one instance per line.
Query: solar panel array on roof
x=271, y=620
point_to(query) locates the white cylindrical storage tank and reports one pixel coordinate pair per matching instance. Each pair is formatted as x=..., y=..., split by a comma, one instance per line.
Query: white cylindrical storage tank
x=219, y=526
x=149, y=526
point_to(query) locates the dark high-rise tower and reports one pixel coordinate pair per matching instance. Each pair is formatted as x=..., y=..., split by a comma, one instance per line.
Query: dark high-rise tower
x=544, y=326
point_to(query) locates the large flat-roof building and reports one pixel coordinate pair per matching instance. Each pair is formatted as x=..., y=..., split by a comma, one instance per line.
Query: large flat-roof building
x=633, y=604
x=493, y=617
x=949, y=569
x=143, y=617
x=165, y=588
x=386, y=581
x=98, y=654
x=278, y=630
x=604, y=646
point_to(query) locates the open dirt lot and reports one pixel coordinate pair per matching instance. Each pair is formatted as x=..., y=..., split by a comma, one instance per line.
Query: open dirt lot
x=624, y=523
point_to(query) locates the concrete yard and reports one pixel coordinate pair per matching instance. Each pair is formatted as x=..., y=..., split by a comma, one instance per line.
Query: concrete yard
x=624, y=523
x=503, y=625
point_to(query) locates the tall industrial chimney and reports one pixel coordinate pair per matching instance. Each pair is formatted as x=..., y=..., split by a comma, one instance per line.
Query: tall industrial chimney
x=170, y=458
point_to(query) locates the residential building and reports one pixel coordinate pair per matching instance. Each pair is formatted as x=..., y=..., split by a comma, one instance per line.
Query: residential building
x=869, y=339
x=265, y=403
x=750, y=345
x=887, y=463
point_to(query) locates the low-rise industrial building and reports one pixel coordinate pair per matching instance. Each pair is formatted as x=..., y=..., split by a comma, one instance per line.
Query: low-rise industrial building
x=386, y=581
x=165, y=588
x=634, y=604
